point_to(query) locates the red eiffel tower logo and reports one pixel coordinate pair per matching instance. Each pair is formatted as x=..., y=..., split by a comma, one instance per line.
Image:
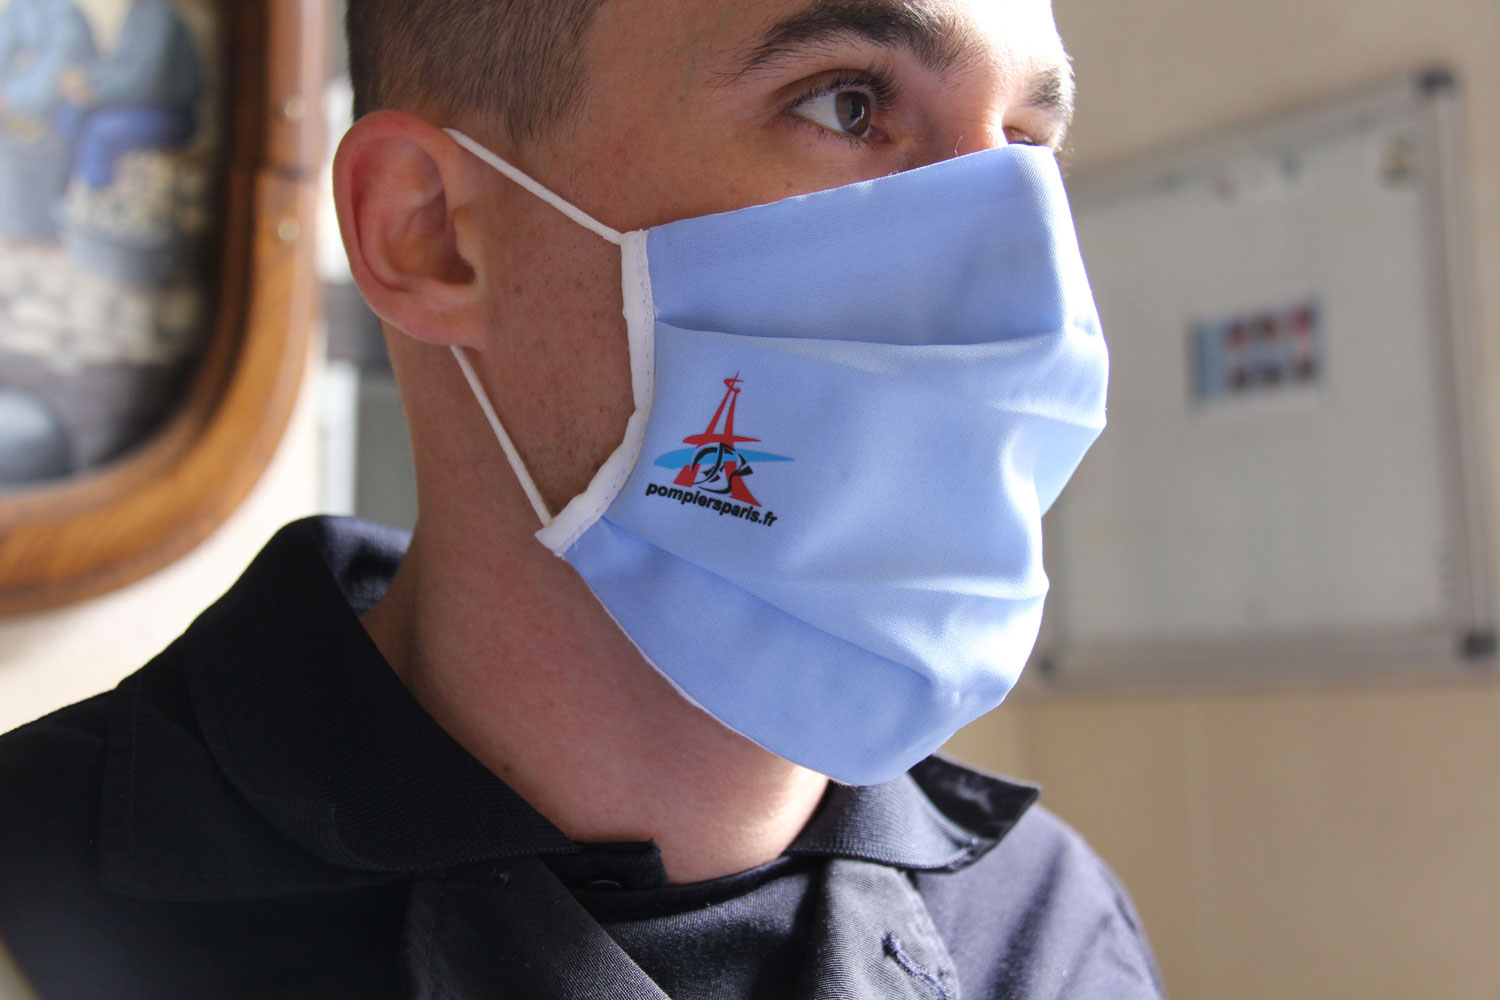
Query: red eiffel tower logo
x=718, y=450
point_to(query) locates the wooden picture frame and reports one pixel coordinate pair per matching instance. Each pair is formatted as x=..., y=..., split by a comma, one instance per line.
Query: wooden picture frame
x=98, y=531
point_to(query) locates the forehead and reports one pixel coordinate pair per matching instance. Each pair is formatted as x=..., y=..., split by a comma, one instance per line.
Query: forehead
x=1014, y=35
x=1023, y=30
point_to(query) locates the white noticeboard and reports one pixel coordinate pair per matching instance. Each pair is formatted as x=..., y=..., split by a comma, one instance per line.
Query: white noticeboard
x=1288, y=484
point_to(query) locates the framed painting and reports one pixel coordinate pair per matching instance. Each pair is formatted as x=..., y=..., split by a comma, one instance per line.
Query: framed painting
x=157, y=290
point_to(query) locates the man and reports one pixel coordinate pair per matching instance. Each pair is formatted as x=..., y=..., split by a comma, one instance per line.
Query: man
x=40, y=40
x=143, y=95
x=519, y=774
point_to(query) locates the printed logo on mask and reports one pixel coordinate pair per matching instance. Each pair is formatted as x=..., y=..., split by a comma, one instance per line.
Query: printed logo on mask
x=712, y=471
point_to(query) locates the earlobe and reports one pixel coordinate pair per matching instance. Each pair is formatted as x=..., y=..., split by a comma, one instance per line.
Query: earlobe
x=402, y=187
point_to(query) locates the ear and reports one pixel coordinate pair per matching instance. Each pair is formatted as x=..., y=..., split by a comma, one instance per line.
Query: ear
x=404, y=191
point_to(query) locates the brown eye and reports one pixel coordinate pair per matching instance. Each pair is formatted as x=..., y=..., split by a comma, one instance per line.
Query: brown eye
x=853, y=110
x=844, y=112
x=1019, y=137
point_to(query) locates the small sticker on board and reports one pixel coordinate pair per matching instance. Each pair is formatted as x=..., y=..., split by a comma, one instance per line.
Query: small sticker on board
x=1258, y=354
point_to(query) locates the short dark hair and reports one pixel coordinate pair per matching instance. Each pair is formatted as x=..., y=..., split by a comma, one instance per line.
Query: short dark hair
x=520, y=61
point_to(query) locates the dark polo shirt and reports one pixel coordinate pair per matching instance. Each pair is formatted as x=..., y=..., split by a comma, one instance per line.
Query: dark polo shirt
x=264, y=811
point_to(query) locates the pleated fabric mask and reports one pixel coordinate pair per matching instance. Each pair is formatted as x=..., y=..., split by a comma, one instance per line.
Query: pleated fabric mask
x=852, y=409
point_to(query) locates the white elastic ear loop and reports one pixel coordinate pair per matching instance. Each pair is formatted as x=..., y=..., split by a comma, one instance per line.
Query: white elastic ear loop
x=566, y=208
x=513, y=456
x=585, y=220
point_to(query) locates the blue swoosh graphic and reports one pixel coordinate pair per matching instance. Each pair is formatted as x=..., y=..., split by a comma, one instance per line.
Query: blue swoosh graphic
x=684, y=457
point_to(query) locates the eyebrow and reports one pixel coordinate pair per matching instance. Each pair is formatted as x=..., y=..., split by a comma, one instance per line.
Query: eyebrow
x=935, y=38
x=1051, y=91
x=938, y=41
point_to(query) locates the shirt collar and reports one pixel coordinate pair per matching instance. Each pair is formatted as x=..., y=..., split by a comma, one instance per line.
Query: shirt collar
x=293, y=704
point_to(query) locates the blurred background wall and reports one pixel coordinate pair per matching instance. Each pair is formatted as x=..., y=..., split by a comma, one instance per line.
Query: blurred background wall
x=1300, y=842
x=1319, y=842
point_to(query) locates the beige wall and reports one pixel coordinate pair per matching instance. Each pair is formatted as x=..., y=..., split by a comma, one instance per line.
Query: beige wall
x=1323, y=844
x=57, y=657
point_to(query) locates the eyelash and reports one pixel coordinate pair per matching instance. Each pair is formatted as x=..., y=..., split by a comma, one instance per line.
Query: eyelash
x=881, y=86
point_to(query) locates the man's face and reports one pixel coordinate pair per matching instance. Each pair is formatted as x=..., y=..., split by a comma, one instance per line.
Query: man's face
x=699, y=106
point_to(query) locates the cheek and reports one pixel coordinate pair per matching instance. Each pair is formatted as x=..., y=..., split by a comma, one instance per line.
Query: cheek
x=721, y=169
x=570, y=367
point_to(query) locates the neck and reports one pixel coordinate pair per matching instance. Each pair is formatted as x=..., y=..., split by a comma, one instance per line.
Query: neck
x=517, y=660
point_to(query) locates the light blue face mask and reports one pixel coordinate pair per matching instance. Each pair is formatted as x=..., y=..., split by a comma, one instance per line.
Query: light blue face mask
x=853, y=407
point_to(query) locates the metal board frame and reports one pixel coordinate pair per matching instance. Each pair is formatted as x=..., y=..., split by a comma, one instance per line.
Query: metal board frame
x=1463, y=641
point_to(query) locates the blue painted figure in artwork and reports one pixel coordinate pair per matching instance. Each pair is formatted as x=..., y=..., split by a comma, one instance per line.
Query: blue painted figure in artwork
x=41, y=43
x=142, y=95
x=40, y=40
